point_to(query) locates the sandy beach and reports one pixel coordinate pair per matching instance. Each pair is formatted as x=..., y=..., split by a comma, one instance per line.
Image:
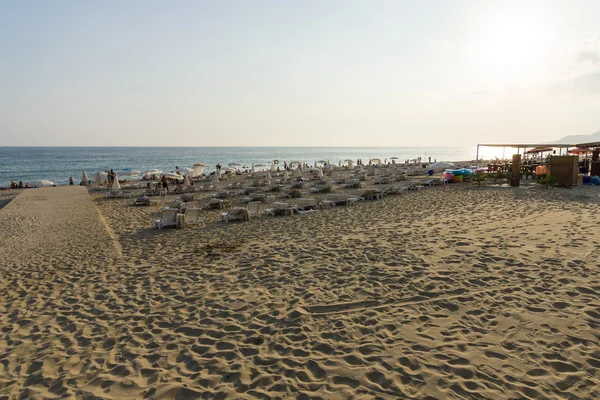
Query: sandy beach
x=461, y=292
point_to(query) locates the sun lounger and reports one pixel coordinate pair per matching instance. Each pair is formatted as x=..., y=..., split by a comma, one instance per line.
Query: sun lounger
x=352, y=183
x=221, y=195
x=235, y=214
x=253, y=208
x=191, y=216
x=180, y=189
x=304, y=204
x=218, y=204
x=187, y=197
x=168, y=217
x=142, y=201
x=322, y=189
x=338, y=199
x=281, y=209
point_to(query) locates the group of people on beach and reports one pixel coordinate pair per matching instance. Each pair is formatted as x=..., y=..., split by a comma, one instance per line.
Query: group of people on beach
x=15, y=185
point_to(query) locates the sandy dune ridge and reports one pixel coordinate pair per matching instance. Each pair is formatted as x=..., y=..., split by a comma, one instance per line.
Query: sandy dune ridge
x=462, y=293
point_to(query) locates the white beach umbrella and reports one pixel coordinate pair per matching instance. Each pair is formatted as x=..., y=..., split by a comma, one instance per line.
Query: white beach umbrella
x=84, y=178
x=350, y=163
x=375, y=161
x=198, y=169
x=253, y=170
x=320, y=172
x=98, y=179
x=172, y=175
x=286, y=174
x=297, y=172
x=128, y=172
x=186, y=181
x=441, y=165
x=41, y=183
x=268, y=175
x=273, y=169
x=115, y=185
x=361, y=169
x=215, y=178
x=152, y=172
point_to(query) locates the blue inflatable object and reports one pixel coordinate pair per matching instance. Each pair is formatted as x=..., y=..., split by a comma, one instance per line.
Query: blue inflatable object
x=596, y=180
x=587, y=180
x=459, y=172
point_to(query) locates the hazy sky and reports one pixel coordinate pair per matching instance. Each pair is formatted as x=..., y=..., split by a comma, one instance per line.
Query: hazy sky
x=323, y=72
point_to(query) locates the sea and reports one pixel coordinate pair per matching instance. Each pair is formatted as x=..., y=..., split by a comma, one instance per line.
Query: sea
x=57, y=164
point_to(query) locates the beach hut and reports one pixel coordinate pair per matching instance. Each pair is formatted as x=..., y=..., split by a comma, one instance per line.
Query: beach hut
x=115, y=185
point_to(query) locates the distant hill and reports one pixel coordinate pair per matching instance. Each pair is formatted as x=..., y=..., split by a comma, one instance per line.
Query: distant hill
x=574, y=139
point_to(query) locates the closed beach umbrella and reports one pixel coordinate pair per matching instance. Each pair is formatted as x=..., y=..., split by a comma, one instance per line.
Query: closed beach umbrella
x=215, y=178
x=273, y=169
x=98, y=179
x=286, y=174
x=116, y=185
x=320, y=172
x=84, y=178
x=253, y=170
x=186, y=181
x=297, y=172
x=361, y=169
x=269, y=176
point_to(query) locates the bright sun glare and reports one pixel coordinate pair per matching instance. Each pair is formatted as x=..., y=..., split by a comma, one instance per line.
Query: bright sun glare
x=510, y=49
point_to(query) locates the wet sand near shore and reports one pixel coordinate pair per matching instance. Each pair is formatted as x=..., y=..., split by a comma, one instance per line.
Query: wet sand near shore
x=470, y=292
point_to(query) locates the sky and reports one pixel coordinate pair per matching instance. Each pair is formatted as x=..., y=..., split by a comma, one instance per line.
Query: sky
x=297, y=73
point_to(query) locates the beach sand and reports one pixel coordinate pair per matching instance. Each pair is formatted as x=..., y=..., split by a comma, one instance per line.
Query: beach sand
x=470, y=292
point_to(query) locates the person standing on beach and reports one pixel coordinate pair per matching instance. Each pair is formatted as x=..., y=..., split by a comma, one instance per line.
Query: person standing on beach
x=165, y=183
x=71, y=181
